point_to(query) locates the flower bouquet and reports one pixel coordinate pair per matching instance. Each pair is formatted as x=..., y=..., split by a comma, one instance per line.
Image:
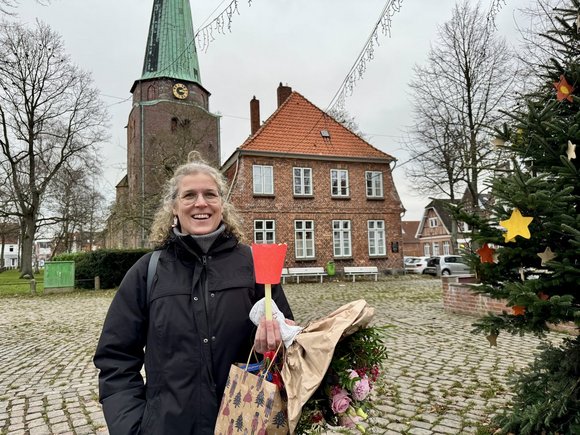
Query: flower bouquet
x=343, y=397
x=330, y=369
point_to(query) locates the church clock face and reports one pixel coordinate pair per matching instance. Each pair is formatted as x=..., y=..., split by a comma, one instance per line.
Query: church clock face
x=180, y=91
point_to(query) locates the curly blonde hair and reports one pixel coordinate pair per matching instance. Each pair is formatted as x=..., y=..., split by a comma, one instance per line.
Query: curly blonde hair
x=162, y=223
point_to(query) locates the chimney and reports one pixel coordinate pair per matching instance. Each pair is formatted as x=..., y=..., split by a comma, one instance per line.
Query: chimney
x=254, y=115
x=283, y=93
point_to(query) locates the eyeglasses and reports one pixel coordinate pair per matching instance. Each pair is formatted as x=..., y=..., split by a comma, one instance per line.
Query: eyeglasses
x=190, y=198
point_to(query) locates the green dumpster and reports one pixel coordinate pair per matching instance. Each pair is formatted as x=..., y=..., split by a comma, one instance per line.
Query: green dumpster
x=59, y=276
x=330, y=268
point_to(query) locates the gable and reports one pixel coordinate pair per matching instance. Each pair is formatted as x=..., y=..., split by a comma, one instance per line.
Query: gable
x=298, y=127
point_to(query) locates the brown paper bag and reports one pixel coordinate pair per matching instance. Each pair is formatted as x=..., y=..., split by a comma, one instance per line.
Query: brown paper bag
x=251, y=405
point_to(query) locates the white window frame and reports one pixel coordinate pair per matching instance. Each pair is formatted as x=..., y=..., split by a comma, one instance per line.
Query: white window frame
x=377, y=240
x=267, y=229
x=341, y=239
x=304, y=246
x=427, y=250
x=302, y=181
x=341, y=189
x=263, y=179
x=374, y=184
x=446, y=246
x=433, y=222
x=435, y=249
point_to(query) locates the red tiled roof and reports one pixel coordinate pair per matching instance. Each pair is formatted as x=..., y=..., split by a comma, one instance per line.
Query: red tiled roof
x=409, y=230
x=295, y=128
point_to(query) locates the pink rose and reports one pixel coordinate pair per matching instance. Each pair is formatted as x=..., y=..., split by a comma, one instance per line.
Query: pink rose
x=361, y=389
x=340, y=401
x=349, y=421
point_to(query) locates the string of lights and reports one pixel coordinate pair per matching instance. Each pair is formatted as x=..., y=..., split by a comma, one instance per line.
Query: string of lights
x=205, y=35
x=356, y=72
x=219, y=24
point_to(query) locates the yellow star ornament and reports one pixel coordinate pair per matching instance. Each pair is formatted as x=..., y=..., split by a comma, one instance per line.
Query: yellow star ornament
x=547, y=255
x=516, y=225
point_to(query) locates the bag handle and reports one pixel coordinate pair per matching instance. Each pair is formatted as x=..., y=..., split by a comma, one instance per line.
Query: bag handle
x=271, y=362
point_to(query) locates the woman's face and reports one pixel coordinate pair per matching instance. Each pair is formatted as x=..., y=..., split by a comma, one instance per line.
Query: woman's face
x=198, y=205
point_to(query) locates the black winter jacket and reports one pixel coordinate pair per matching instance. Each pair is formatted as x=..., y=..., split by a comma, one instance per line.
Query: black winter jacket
x=194, y=326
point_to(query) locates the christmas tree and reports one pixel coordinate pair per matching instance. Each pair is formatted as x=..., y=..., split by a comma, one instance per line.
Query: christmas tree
x=529, y=252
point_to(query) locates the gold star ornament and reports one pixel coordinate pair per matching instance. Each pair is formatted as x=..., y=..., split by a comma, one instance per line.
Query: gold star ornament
x=571, y=151
x=516, y=225
x=547, y=255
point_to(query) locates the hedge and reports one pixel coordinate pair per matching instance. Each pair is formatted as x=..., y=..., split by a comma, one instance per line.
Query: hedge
x=110, y=265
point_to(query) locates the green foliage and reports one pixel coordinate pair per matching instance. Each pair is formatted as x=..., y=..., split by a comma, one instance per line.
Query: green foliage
x=363, y=349
x=364, y=352
x=110, y=265
x=547, y=394
x=544, y=184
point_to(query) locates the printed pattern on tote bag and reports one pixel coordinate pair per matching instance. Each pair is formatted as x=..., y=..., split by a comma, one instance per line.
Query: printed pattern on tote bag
x=251, y=406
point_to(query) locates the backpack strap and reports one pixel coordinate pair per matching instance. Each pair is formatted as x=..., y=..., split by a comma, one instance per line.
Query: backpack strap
x=151, y=269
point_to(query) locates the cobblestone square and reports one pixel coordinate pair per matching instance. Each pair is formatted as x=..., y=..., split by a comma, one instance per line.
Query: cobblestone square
x=439, y=378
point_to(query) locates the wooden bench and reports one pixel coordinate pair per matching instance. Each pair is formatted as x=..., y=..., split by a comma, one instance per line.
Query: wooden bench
x=361, y=270
x=297, y=272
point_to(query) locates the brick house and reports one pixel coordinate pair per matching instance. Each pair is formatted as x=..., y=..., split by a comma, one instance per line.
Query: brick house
x=304, y=179
x=435, y=231
x=435, y=228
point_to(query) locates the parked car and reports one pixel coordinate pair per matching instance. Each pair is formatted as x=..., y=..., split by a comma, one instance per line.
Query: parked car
x=446, y=265
x=415, y=264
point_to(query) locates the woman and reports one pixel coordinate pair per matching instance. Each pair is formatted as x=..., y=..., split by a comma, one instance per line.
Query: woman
x=194, y=321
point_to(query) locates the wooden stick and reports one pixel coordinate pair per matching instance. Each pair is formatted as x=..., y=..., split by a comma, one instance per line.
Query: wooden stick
x=268, y=301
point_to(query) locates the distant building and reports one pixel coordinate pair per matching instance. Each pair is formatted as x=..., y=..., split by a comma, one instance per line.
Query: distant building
x=41, y=251
x=10, y=254
x=304, y=179
x=9, y=244
x=435, y=232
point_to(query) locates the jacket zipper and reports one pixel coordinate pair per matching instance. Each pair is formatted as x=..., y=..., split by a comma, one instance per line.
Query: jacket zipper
x=208, y=329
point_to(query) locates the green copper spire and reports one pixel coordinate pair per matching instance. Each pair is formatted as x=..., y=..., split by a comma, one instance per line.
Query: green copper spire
x=171, y=48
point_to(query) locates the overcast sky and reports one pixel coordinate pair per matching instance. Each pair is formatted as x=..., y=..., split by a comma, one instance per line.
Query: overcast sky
x=309, y=45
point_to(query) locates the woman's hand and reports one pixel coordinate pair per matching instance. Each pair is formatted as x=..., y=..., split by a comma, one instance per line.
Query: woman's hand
x=268, y=335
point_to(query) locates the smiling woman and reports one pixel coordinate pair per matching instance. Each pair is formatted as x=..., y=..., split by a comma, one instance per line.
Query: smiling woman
x=192, y=323
x=199, y=208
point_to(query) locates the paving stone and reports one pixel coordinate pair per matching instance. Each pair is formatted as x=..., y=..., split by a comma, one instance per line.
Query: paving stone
x=419, y=431
x=436, y=371
x=35, y=422
x=40, y=430
x=421, y=424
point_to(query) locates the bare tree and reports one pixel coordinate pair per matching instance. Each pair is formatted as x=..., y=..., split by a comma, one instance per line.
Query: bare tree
x=50, y=115
x=457, y=97
x=8, y=7
x=77, y=207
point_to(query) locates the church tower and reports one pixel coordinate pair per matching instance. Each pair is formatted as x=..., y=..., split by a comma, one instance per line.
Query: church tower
x=169, y=116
